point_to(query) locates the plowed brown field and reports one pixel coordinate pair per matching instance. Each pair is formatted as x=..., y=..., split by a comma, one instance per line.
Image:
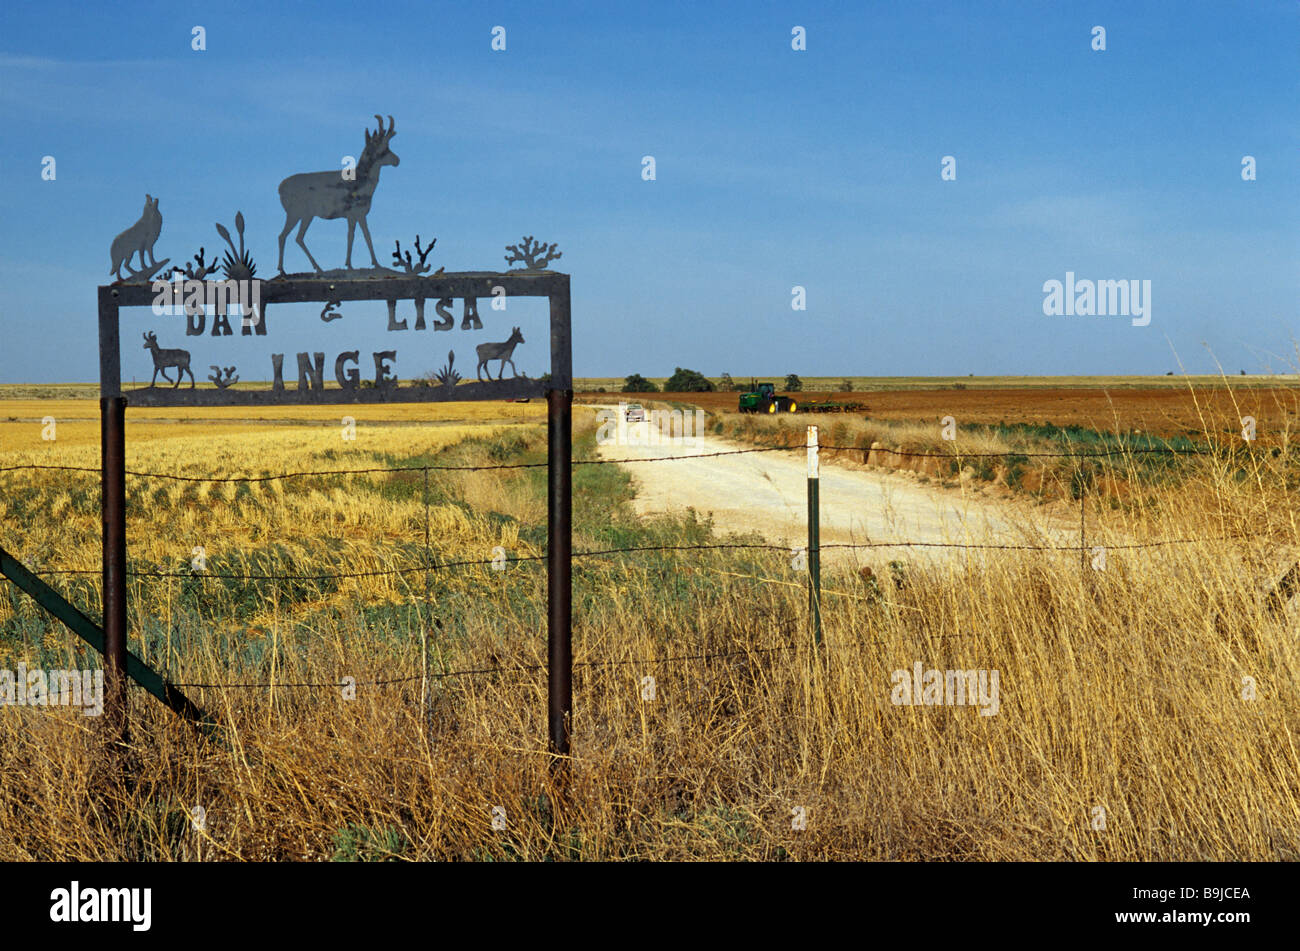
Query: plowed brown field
x=1165, y=411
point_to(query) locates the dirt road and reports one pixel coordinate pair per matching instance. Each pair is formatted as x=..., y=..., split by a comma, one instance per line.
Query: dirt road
x=767, y=492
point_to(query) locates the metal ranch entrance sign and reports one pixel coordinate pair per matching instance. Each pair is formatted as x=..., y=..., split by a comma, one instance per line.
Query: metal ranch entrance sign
x=194, y=309
x=317, y=377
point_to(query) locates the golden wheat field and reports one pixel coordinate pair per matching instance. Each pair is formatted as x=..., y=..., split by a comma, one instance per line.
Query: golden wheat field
x=1147, y=711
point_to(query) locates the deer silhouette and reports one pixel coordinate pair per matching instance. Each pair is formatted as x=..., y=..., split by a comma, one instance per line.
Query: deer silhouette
x=137, y=239
x=162, y=359
x=498, y=351
x=330, y=195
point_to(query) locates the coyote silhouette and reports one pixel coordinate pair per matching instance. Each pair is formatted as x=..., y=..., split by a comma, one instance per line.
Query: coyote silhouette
x=139, y=238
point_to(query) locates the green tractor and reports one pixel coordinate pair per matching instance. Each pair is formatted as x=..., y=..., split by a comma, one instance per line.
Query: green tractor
x=762, y=398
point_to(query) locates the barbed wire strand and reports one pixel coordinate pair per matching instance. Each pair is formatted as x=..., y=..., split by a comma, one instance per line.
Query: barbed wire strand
x=517, y=668
x=636, y=549
x=372, y=470
x=642, y=662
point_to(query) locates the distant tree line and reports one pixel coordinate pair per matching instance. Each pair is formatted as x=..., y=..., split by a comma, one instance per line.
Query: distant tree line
x=692, y=381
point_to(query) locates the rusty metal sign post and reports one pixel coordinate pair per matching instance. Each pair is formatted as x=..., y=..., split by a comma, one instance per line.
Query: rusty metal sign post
x=184, y=305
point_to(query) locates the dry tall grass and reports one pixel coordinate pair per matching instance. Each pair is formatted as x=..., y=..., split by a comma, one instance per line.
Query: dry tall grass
x=1122, y=690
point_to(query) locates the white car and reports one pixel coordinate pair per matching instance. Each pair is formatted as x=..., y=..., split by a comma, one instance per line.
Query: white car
x=633, y=413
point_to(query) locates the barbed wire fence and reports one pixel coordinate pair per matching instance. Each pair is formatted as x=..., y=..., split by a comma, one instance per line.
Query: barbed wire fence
x=430, y=564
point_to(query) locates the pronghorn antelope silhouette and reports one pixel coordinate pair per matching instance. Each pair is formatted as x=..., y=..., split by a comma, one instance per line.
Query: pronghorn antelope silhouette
x=498, y=351
x=162, y=359
x=329, y=195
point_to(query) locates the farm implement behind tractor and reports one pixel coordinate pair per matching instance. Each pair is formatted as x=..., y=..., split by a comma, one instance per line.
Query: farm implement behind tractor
x=832, y=406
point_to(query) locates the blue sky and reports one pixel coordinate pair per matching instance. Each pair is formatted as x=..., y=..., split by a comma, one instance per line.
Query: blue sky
x=775, y=168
